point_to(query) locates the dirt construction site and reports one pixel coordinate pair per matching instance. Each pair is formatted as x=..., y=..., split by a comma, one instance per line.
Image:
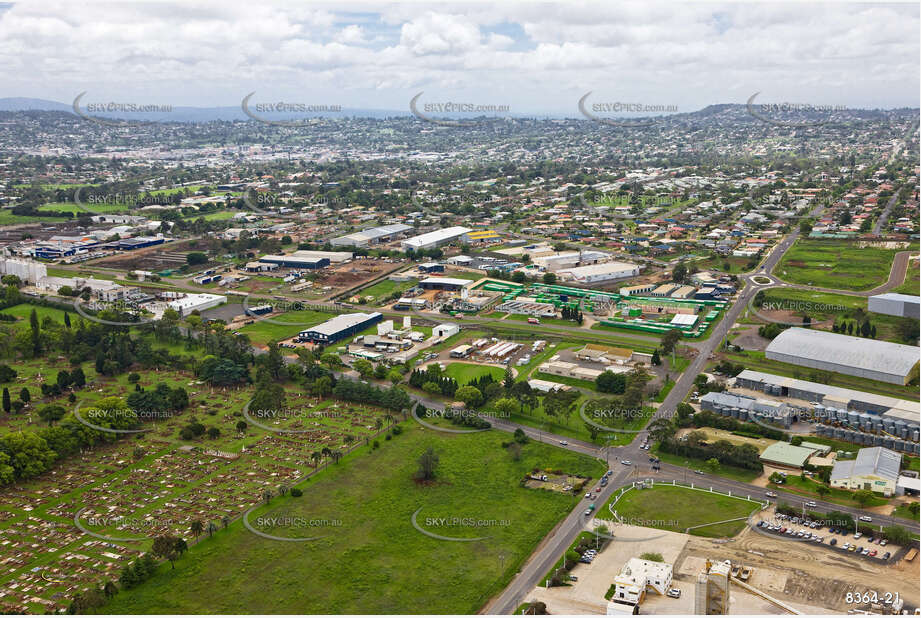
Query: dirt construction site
x=806, y=577
x=167, y=256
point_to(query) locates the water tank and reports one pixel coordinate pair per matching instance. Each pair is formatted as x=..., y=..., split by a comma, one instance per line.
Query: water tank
x=840, y=414
x=915, y=435
x=877, y=422
x=743, y=415
x=916, y=448
x=853, y=418
x=839, y=433
x=819, y=410
x=887, y=442
x=877, y=440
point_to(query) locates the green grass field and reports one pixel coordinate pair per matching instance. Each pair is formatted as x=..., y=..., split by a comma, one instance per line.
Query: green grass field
x=467, y=372
x=374, y=562
x=912, y=284
x=293, y=322
x=730, y=472
x=678, y=508
x=824, y=308
x=835, y=264
x=383, y=289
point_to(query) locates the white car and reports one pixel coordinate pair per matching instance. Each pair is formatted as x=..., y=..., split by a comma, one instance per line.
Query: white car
x=810, y=504
x=564, y=443
x=627, y=462
x=865, y=518
x=674, y=593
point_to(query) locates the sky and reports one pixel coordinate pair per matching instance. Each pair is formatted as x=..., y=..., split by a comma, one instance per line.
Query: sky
x=532, y=58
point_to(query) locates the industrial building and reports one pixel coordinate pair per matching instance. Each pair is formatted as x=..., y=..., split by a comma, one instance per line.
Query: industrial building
x=569, y=370
x=374, y=235
x=445, y=330
x=196, y=302
x=785, y=455
x=637, y=289
x=432, y=240
x=431, y=267
x=833, y=403
x=747, y=408
x=339, y=327
x=876, y=469
x=711, y=592
x=294, y=261
x=569, y=259
x=634, y=580
x=445, y=283
x=28, y=271
x=481, y=236
x=899, y=305
x=855, y=356
x=597, y=273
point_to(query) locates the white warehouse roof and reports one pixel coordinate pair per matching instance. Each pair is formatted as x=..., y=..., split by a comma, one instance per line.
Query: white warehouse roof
x=844, y=350
x=438, y=236
x=877, y=461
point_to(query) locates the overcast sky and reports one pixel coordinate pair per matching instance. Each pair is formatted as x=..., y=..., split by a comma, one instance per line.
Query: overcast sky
x=531, y=57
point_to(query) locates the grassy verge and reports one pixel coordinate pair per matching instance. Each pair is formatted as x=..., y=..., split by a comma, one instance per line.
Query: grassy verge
x=371, y=562
x=729, y=472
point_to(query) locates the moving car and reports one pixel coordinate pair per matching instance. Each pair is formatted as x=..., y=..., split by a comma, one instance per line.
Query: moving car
x=771, y=494
x=564, y=443
x=865, y=518
x=810, y=504
x=627, y=462
x=698, y=472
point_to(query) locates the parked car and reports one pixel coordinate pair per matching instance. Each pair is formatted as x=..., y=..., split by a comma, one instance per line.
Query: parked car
x=884, y=542
x=886, y=555
x=674, y=593
x=872, y=552
x=833, y=541
x=866, y=551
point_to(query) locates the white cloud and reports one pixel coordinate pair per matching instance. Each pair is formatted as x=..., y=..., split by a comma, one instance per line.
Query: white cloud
x=539, y=57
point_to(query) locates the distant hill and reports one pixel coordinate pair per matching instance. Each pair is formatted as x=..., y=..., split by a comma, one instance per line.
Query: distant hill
x=185, y=113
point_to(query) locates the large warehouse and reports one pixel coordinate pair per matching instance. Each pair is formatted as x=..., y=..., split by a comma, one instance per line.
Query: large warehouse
x=434, y=239
x=448, y=284
x=853, y=356
x=596, y=273
x=876, y=469
x=307, y=259
x=899, y=305
x=339, y=327
x=373, y=235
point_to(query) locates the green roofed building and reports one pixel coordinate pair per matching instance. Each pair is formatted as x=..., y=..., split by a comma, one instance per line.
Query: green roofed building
x=787, y=455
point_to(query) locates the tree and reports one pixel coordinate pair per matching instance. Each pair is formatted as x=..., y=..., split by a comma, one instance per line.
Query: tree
x=7, y=404
x=470, y=395
x=680, y=273
x=195, y=258
x=428, y=464
x=550, y=278
x=822, y=490
x=661, y=429
x=25, y=396
x=655, y=357
x=36, y=335
x=506, y=406
x=670, y=339
x=166, y=547
x=610, y=382
x=713, y=464
x=196, y=528
x=363, y=367
x=51, y=414
x=863, y=497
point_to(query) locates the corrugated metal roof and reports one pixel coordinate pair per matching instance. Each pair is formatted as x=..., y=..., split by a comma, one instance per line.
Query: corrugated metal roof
x=867, y=354
x=877, y=461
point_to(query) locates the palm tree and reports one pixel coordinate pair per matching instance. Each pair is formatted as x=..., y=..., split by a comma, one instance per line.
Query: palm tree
x=378, y=423
x=110, y=589
x=196, y=528
x=391, y=419
x=336, y=455
x=267, y=495
x=316, y=457
x=225, y=521
x=212, y=528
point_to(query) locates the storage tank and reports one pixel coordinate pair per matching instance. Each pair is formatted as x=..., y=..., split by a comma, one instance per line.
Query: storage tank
x=887, y=441
x=853, y=418
x=819, y=410
x=743, y=415
x=877, y=440
x=915, y=435
x=841, y=415
x=877, y=422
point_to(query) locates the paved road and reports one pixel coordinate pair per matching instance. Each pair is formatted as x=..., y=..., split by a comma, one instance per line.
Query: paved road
x=878, y=226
